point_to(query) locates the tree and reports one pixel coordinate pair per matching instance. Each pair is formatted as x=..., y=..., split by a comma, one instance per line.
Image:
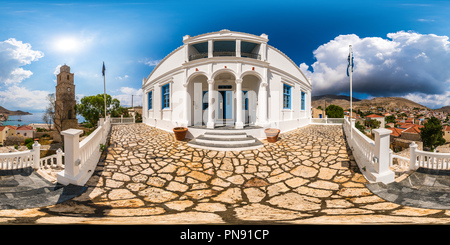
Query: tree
x=431, y=133
x=93, y=107
x=390, y=119
x=360, y=127
x=51, y=116
x=372, y=123
x=334, y=111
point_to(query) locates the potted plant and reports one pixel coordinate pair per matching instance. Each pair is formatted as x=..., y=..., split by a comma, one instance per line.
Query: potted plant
x=272, y=134
x=180, y=132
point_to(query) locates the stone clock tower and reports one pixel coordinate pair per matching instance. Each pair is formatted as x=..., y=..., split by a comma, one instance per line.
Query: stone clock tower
x=65, y=102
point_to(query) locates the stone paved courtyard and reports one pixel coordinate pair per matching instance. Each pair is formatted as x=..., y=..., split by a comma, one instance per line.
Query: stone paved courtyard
x=307, y=177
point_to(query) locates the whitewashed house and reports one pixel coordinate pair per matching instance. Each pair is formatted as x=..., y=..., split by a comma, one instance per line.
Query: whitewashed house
x=226, y=79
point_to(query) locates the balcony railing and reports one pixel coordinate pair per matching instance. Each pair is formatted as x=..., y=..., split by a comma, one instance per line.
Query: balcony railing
x=224, y=53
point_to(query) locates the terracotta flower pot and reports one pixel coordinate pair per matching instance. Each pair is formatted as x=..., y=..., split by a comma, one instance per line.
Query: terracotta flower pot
x=180, y=132
x=272, y=134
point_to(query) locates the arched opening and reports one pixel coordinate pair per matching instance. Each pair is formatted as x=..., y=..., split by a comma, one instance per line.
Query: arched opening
x=224, y=91
x=250, y=90
x=198, y=98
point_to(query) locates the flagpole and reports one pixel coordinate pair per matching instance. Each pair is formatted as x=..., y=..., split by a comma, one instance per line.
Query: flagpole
x=351, y=99
x=104, y=86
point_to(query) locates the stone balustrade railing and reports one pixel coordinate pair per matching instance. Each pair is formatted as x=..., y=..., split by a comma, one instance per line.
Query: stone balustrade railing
x=53, y=161
x=372, y=156
x=122, y=120
x=21, y=159
x=30, y=158
x=327, y=120
x=81, y=158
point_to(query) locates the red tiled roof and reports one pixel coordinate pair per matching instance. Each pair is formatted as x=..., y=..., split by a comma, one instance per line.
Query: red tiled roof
x=414, y=129
x=25, y=127
x=396, y=131
x=446, y=128
x=12, y=127
x=374, y=115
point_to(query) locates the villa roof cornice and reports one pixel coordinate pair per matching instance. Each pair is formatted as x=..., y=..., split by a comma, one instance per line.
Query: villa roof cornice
x=226, y=59
x=225, y=34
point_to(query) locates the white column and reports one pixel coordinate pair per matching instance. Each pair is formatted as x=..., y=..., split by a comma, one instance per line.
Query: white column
x=263, y=103
x=71, y=157
x=210, y=123
x=412, y=156
x=239, y=124
x=187, y=102
x=210, y=48
x=381, y=164
x=59, y=153
x=238, y=48
x=36, y=155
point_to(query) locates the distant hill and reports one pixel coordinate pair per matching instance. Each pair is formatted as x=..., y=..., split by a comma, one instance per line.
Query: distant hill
x=445, y=109
x=344, y=102
x=12, y=113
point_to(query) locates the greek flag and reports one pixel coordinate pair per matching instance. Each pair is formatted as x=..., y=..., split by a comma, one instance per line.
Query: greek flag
x=351, y=64
x=103, y=69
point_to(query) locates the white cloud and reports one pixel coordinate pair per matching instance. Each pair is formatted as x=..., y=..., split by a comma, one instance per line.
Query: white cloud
x=121, y=78
x=150, y=62
x=127, y=94
x=430, y=100
x=405, y=64
x=20, y=98
x=13, y=55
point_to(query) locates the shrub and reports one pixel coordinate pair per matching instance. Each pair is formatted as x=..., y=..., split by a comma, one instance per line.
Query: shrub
x=28, y=140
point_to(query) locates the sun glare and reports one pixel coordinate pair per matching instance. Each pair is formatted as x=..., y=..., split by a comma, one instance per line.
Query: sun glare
x=67, y=44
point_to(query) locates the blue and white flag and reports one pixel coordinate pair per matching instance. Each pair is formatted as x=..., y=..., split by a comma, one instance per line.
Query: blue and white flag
x=103, y=69
x=351, y=64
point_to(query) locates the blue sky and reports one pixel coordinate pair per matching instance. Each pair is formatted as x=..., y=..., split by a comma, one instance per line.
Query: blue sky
x=401, y=47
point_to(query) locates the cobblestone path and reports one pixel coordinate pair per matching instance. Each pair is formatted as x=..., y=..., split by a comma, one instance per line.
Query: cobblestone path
x=307, y=177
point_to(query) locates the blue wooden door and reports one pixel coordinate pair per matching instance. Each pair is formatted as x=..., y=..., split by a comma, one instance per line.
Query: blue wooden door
x=228, y=105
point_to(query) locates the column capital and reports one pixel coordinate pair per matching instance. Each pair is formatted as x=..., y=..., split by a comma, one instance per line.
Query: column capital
x=210, y=81
x=238, y=81
x=264, y=84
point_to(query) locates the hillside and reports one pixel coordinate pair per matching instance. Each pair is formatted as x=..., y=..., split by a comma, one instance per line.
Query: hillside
x=445, y=109
x=344, y=102
x=12, y=113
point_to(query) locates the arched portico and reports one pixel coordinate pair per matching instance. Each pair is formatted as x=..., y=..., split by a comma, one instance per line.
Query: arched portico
x=223, y=100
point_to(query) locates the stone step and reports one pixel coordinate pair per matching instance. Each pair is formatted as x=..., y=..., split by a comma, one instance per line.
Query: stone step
x=225, y=141
x=225, y=147
x=227, y=135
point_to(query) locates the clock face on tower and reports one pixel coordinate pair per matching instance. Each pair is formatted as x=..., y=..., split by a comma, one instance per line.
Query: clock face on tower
x=68, y=89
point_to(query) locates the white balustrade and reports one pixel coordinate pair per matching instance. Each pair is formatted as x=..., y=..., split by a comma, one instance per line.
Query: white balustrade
x=53, y=161
x=81, y=158
x=327, y=120
x=22, y=159
x=372, y=157
x=401, y=162
x=423, y=159
x=122, y=120
x=432, y=160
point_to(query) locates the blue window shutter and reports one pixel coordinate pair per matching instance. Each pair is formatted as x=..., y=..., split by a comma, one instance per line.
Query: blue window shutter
x=286, y=96
x=165, y=98
x=150, y=100
x=303, y=100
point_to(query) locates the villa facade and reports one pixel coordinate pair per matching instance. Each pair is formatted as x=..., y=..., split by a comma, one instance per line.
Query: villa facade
x=229, y=79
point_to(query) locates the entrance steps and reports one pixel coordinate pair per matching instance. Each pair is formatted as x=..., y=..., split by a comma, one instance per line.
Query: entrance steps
x=225, y=140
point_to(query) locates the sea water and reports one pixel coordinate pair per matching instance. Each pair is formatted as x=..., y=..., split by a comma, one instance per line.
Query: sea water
x=35, y=117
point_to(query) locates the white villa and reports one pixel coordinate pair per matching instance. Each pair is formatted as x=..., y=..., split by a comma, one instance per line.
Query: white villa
x=226, y=79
